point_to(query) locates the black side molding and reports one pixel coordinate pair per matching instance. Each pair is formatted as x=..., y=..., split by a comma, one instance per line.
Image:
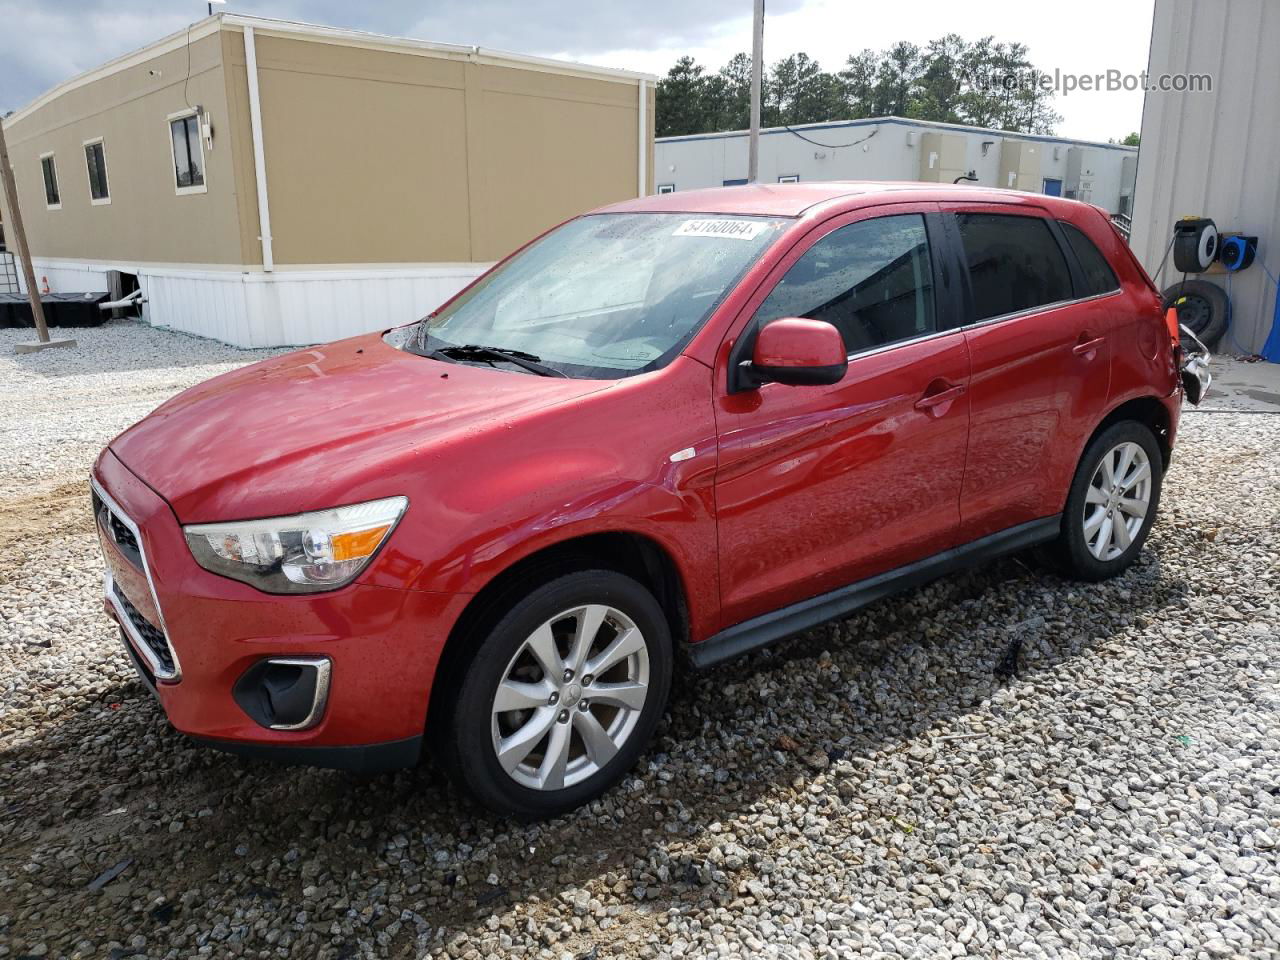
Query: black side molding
x=768, y=628
x=366, y=758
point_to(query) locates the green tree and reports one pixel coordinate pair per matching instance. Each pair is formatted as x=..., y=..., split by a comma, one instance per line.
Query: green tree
x=1010, y=65
x=1038, y=115
x=985, y=83
x=800, y=92
x=896, y=80
x=979, y=97
x=1132, y=140
x=858, y=84
x=940, y=86
x=681, y=100
x=733, y=86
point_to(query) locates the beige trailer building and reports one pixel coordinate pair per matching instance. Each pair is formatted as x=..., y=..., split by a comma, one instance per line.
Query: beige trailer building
x=273, y=183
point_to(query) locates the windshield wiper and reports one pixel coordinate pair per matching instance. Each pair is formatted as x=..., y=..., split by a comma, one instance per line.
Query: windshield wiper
x=474, y=351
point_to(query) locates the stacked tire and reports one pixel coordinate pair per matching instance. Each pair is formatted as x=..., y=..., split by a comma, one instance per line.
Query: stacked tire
x=1203, y=308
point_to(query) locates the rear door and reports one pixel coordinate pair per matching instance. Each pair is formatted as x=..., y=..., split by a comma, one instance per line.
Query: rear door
x=820, y=486
x=1041, y=364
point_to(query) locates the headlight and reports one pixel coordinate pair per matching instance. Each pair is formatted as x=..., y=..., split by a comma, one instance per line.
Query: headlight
x=305, y=553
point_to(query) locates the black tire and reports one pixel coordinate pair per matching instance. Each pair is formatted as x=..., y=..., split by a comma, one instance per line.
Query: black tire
x=1070, y=553
x=466, y=743
x=1203, y=308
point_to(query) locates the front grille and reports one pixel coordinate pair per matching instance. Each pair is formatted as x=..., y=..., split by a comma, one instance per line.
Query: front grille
x=119, y=532
x=146, y=639
x=123, y=535
x=151, y=635
x=144, y=670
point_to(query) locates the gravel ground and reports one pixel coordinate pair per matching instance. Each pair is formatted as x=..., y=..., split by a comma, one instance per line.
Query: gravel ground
x=875, y=788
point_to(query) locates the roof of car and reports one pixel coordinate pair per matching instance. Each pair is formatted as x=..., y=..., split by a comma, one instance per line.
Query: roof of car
x=793, y=199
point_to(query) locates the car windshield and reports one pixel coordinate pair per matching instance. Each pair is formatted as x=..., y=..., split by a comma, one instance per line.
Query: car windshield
x=603, y=296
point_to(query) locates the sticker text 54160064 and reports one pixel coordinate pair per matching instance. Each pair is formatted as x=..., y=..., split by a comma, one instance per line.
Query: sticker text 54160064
x=731, y=229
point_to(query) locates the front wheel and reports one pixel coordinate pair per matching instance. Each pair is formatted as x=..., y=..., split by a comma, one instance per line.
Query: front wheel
x=1112, y=503
x=561, y=696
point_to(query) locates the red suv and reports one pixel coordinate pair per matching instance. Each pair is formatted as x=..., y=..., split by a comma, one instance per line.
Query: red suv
x=685, y=425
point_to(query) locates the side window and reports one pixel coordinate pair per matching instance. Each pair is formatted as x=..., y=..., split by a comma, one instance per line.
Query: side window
x=95, y=160
x=872, y=280
x=188, y=153
x=52, y=199
x=1014, y=263
x=1098, y=275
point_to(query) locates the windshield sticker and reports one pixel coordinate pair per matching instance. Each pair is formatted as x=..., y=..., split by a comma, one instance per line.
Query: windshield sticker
x=732, y=229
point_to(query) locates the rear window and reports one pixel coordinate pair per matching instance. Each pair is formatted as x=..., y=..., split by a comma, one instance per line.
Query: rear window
x=1014, y=263
x=1098, y=275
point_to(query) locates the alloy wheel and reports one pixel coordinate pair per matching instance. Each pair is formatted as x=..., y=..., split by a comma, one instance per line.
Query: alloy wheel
x=570, y=697
x=1117, y=500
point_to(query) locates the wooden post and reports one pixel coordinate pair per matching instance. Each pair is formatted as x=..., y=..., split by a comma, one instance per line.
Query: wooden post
x=24, y=254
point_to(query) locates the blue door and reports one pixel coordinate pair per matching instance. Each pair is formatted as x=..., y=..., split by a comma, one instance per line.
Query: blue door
x=736, y=183
x=1052, y=188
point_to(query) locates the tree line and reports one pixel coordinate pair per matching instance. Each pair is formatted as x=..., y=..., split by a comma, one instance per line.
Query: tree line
x=984, y=83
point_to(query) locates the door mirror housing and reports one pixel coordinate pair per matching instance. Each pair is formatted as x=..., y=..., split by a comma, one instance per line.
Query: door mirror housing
x=798, y=352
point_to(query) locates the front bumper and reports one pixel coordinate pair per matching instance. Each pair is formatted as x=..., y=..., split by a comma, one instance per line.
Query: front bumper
x=382, y=644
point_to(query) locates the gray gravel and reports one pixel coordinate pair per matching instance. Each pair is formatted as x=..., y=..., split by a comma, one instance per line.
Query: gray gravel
x=873, y=789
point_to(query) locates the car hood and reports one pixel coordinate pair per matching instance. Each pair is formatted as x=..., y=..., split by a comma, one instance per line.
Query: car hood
x=339, y=423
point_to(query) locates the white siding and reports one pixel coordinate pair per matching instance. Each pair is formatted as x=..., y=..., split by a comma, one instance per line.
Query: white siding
x=287, y=308
x=1216, y=154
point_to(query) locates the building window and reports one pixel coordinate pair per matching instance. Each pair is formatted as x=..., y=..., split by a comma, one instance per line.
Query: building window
x=789, y=178
x=95, y=161
x=188, y=153
x=666, y=188
x=52, y=200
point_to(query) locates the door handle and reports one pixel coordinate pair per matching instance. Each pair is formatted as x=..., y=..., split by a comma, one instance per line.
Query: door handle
x=935, y=398
x=1087, y=348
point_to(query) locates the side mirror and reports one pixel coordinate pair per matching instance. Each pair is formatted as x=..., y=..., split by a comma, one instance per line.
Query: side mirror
x=798, y=353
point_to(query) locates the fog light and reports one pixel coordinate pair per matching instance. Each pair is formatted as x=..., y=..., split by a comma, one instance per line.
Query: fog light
x=285, y=693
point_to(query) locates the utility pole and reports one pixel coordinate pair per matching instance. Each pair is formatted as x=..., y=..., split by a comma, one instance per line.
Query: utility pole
x=757, y=78
x=24, y=254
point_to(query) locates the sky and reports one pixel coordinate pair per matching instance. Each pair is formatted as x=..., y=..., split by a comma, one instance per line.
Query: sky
x=47, y=42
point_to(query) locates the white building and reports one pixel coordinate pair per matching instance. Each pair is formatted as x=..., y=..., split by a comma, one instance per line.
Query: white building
x=1215, y=154
x=893, y=148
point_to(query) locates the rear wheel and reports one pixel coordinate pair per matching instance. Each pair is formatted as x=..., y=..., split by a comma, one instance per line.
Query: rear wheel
x=1112, y=503
x=561, y=696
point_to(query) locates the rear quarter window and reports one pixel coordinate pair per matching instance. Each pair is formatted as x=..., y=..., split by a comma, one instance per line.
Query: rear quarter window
x=1098, y=275
x=1014, y=262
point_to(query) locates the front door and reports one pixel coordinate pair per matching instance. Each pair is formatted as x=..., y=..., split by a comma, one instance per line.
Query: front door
x=820, y=486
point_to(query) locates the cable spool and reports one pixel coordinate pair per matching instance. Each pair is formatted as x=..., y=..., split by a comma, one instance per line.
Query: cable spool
x=1237, y=252
x=1195, y=244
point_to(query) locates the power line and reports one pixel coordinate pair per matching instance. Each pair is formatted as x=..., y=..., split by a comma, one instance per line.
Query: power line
x=830, y=146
